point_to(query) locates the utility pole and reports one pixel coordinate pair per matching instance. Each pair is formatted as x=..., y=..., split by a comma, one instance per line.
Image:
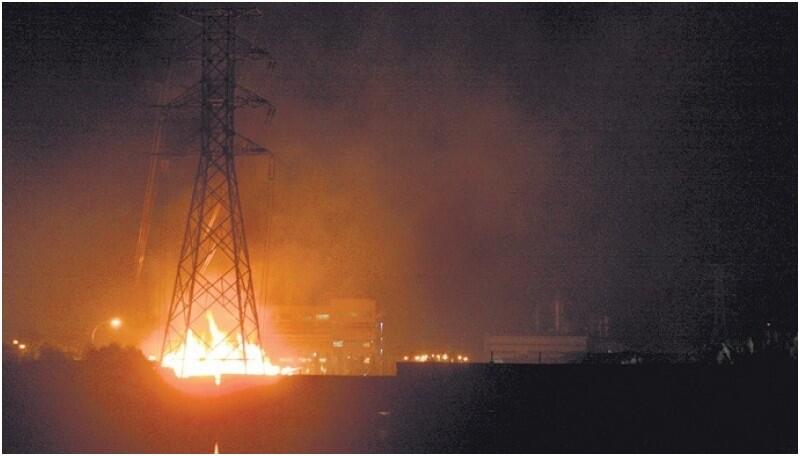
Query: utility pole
x=718, y=275
x=214, y=273
x=719, y=330
x=557, y=313
x=152, y=179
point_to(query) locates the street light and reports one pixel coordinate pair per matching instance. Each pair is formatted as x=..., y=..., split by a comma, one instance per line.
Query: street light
x=114, y=323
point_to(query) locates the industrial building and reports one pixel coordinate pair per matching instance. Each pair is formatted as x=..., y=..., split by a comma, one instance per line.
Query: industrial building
x=342, y=337
x=555, y=345
x=551, y=349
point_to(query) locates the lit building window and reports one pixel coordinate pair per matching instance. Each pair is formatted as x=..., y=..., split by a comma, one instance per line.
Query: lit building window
x=323, y=316
x=338, y=343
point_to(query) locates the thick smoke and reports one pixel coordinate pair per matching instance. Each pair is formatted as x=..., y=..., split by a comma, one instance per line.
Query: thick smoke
x=462, y=165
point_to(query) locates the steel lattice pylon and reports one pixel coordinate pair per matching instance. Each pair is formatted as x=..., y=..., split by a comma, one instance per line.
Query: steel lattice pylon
x=214, y=273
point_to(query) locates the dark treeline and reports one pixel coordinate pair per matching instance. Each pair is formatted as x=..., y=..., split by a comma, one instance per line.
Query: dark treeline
x=114, y=400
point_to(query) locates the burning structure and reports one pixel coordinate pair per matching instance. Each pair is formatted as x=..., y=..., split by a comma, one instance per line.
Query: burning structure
x=213, y=326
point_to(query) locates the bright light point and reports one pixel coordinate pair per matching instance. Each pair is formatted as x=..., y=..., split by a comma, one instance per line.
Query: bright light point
x=22, y=346
x=115, y=323
x=405, y=358
x=15, y=342
x=151, y=357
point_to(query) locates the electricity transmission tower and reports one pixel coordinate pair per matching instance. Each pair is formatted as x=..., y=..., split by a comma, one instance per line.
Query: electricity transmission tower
x=214, y=273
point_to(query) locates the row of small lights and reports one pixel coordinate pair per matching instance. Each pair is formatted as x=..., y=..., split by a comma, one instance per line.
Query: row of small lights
x=438, y=358
x=19, y=345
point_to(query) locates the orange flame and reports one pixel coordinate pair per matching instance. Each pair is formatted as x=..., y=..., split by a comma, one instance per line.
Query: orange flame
x=196, y=358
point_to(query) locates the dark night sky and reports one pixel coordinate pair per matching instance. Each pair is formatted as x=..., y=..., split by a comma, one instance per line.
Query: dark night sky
x=461, y=164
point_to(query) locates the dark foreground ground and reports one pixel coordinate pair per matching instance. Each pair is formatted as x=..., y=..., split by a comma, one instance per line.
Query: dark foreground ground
x=119, y=404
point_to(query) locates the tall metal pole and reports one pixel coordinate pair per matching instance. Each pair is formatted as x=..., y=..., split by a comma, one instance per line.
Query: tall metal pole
x=214, y=273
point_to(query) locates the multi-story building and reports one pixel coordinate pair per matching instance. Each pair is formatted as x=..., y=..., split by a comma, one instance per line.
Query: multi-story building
x=342, y=337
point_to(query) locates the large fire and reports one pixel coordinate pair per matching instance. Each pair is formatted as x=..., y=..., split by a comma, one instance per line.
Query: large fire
x=212, y=355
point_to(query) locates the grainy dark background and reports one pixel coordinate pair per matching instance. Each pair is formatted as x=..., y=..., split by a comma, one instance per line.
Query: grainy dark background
x=461, y=164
